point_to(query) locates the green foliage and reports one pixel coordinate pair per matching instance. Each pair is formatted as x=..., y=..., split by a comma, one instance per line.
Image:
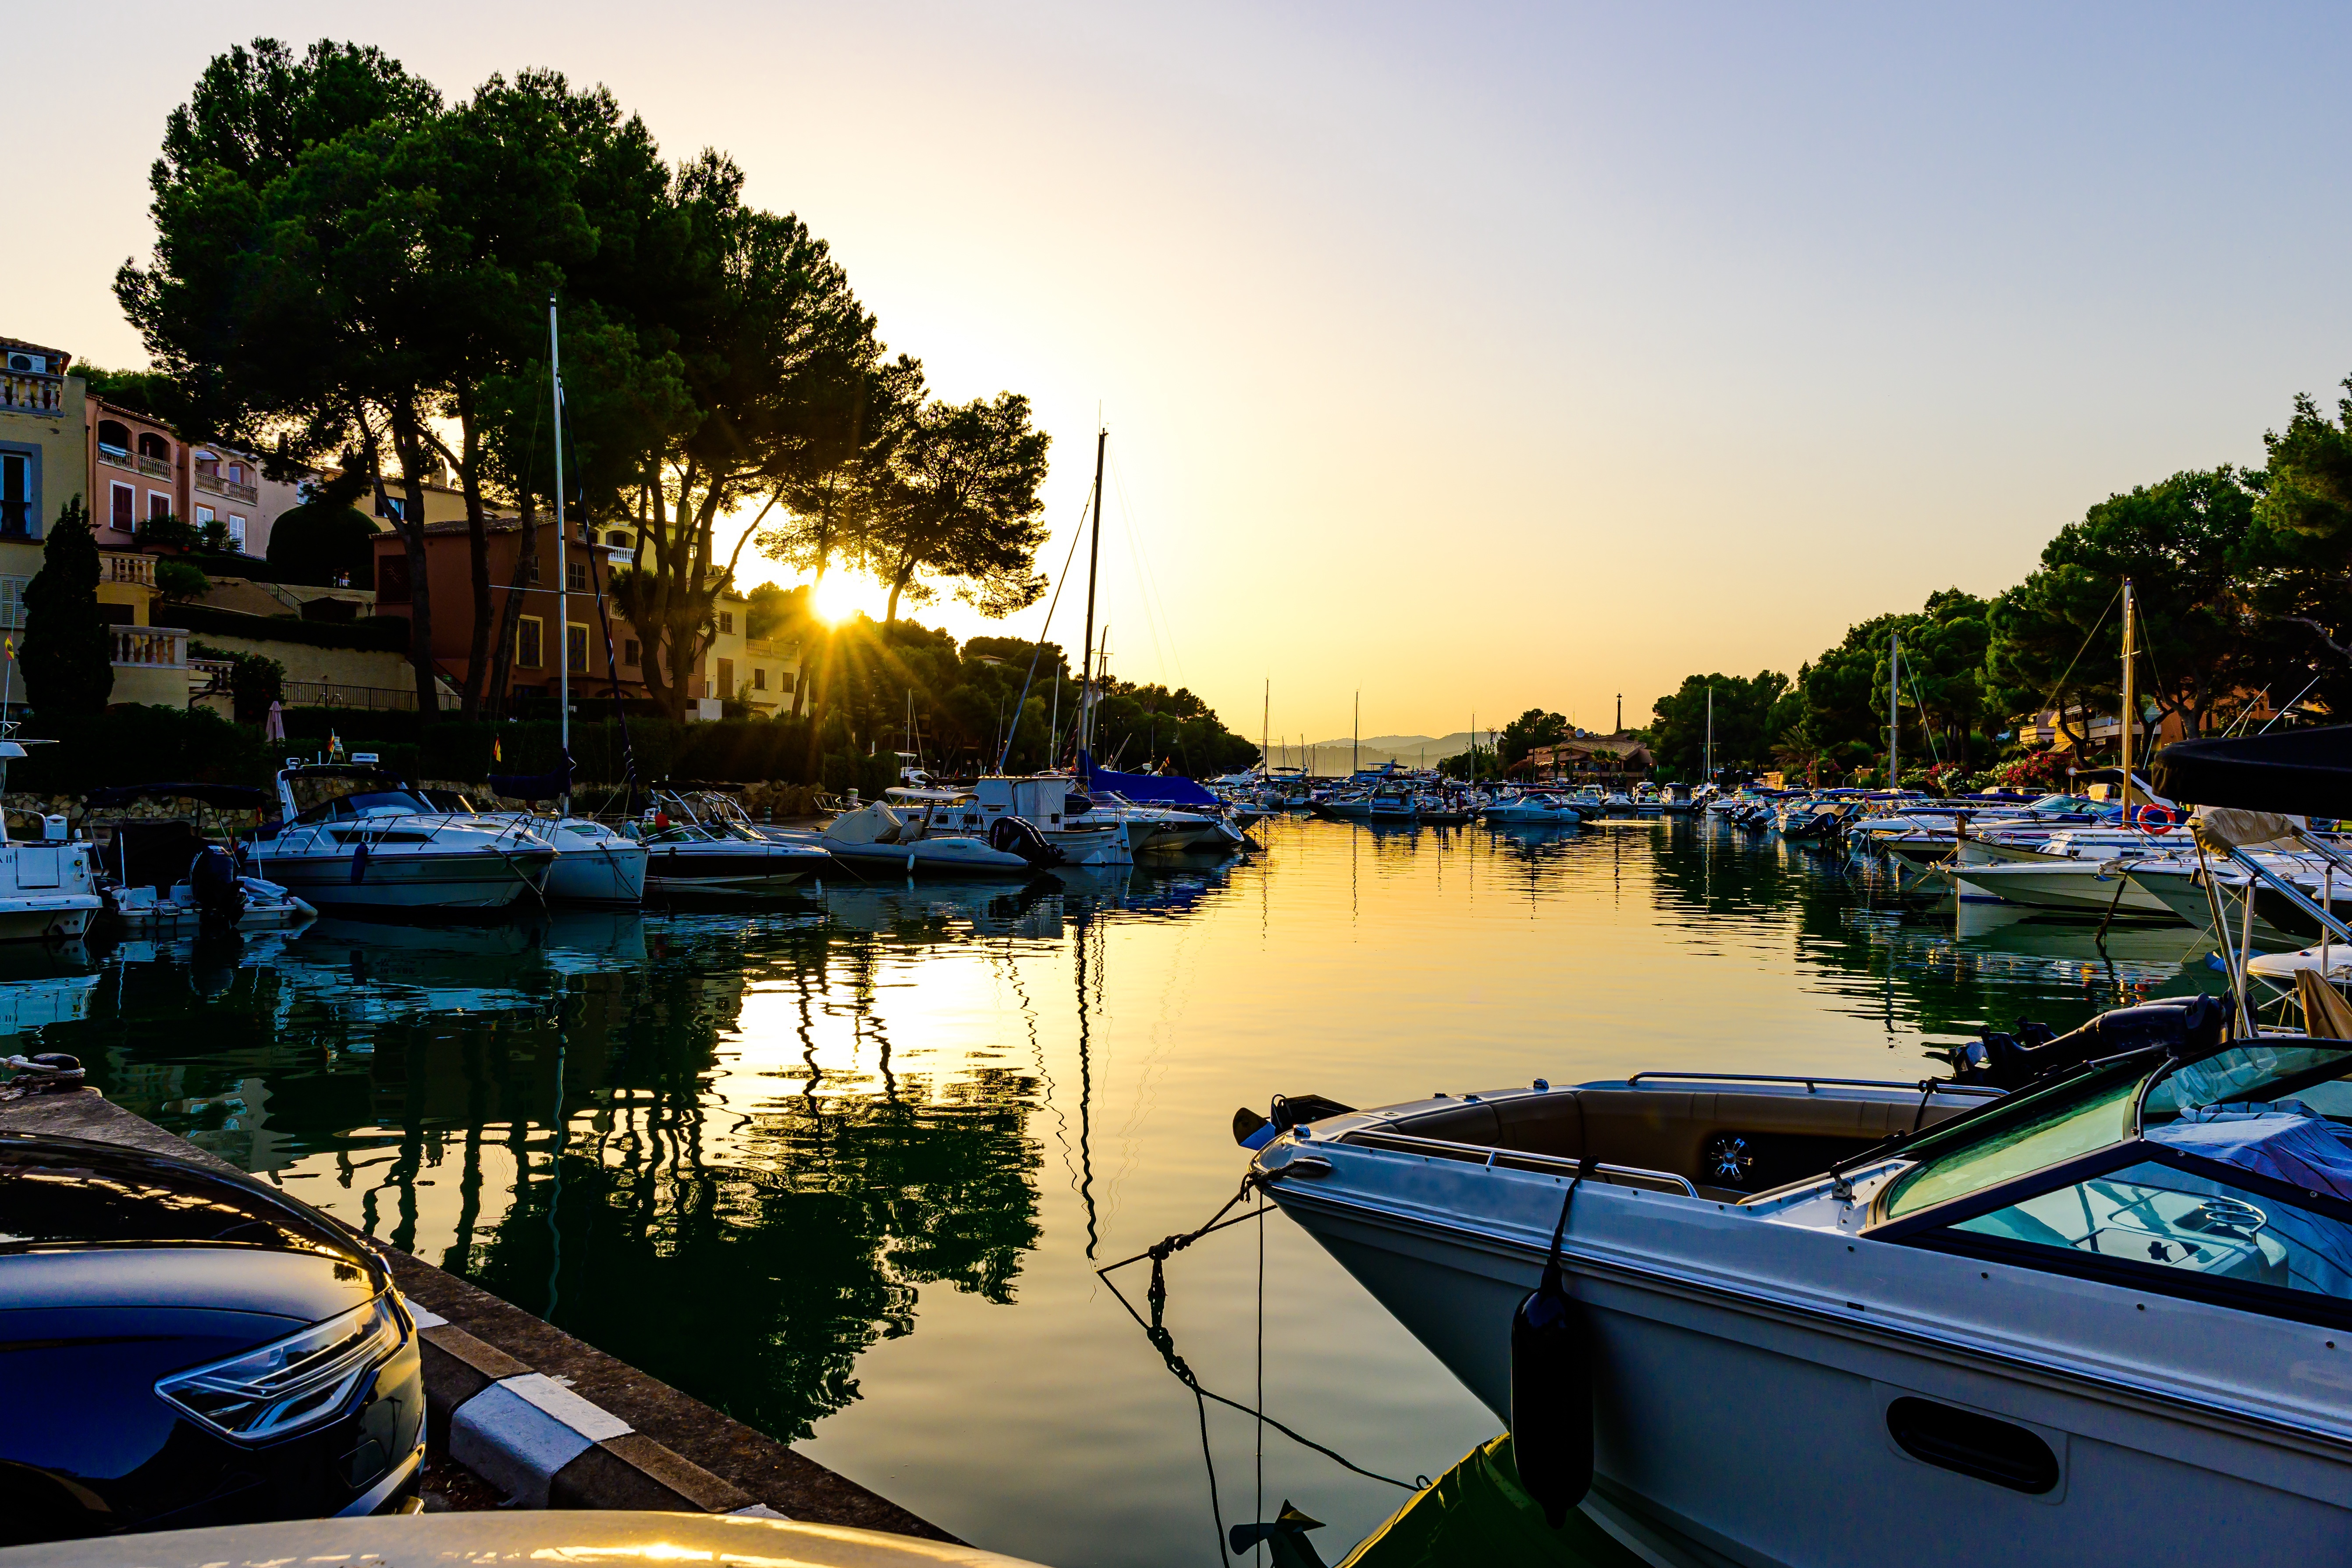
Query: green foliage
x=68, y=652
x=255, y=681
x=327, y=539
x=138, y=744
x=2310, y=481
x=1529, y=731
x=165, y=533
x=177, y=580
x=1750, y=718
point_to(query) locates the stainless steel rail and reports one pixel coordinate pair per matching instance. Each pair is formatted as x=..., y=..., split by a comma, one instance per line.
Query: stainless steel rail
x=1514, y=1159
x=1911, y=1088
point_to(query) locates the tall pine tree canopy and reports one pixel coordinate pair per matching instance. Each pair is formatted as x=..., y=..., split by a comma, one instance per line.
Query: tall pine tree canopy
x=67, y=654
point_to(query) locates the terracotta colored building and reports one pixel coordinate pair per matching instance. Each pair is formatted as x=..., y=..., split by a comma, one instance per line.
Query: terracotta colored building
x=734, y=666
x=137, y=469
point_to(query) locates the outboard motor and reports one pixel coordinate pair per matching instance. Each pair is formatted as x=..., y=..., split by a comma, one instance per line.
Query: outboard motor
x=220, y=896
x=1552, y=1390
x=1019, y=835
x=2189, y=1028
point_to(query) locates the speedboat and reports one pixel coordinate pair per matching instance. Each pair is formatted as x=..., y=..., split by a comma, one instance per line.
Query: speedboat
x=594, y=864
x=1533, y=809
x=165, y=875
x=938, y=832
x=709, y=859
x=2094, y=1322
x=1393, y=804
x=352, y=836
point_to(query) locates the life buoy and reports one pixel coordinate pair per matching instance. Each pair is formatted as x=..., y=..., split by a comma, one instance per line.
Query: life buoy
x=2154, y=819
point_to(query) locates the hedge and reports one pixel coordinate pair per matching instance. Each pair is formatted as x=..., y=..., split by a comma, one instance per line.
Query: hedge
x=377, y=634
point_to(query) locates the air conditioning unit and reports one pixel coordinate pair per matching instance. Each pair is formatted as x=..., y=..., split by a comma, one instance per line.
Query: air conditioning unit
x=38, y=363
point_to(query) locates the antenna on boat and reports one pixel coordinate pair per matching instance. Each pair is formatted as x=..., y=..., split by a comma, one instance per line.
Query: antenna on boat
x=1894, y=716
x=2130, y=708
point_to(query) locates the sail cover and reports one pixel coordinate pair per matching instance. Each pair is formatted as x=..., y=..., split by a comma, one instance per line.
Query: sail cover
x=2298, y=772
x=1144, y=789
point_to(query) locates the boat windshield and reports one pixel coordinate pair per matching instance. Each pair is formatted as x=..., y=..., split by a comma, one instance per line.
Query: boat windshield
x=325, y=797
x=2060, y=1127
x=2079, y=1119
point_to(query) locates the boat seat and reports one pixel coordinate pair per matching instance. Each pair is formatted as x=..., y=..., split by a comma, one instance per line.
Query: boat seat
x=1671, y=1128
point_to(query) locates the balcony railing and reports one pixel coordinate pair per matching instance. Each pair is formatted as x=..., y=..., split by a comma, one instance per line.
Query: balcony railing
x=156, y=467
x=331, y=694
x=116, y=458
x=164, y=647
x=212, y=484
x=30, y=394
x=123, y=566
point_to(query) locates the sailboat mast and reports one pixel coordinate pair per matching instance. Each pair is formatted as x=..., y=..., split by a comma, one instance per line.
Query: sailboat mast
x=1707, y=767
x=2130, y=708
x=1356, y=740
x=563, y=616
x=1094, y=558
x=1894, y=720
x=1265, y=732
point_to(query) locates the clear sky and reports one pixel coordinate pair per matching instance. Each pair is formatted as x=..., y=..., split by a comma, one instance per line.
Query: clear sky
x=1477, y=357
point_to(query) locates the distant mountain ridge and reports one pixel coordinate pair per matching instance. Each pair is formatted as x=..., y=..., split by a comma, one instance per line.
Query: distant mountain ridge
x=1332, y=756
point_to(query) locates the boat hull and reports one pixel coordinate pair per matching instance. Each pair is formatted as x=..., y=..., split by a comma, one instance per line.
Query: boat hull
x=698, y=871
x=612, y=874
x=466, y=882
x=2073, y=887
x=58, y=918
x=1732, y=1427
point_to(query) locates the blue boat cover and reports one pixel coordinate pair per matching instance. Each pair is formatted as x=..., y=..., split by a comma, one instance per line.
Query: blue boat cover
x=1144, y=789
x=2284, y=1141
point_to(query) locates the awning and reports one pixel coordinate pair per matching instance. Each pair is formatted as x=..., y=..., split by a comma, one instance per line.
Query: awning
x=2298, y=772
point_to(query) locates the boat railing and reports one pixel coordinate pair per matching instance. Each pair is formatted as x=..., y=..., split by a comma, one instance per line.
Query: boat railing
x=1518, y=1160
x=1810, y=1082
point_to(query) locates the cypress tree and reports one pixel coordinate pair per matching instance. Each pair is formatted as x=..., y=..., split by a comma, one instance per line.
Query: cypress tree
x=68, y=653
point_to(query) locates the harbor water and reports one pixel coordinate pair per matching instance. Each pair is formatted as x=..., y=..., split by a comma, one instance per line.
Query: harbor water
x=846, y=1168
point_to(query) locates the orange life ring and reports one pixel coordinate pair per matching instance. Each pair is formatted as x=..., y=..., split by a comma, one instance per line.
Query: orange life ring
x=2149, y=810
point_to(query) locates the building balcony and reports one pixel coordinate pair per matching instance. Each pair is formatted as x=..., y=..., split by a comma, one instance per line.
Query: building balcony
x=163, y=647
x=156, y=467
x=124, y=566
x=212, y=484
x=24, y=391
x=116, y=458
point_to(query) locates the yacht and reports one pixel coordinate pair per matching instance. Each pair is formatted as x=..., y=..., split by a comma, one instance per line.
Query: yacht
x=350, y=835
x=2105, y=1319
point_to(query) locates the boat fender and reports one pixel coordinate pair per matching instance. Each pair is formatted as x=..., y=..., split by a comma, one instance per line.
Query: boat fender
x=1551, y=1386
x=359, y=863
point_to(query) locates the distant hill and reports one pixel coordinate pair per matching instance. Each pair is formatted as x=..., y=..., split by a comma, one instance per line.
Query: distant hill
x=1332, y=756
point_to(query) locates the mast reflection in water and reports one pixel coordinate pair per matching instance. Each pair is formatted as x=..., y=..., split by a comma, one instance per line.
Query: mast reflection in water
x=843, y=1168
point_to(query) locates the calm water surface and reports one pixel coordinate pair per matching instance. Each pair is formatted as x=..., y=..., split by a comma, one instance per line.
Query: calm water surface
x=846, y=1170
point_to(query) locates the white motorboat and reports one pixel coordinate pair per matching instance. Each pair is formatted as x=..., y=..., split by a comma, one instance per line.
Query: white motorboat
x=688, y=859
x=595, y=864
x=937, y=833
x=165, y=875
x=201, y=901
x=1042, y=801
x=2098, y=1321
x=2089, y=887
x=47, y=890
x=1535, y=808
x=353, y=836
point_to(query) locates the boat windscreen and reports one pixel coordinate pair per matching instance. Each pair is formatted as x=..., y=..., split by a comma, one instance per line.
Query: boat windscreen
x=2050, y=1128
x=320, y=796
x=2318, y=1072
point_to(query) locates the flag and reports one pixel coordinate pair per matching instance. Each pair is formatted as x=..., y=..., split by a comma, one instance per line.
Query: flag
x=11, y=646
x=497, y=750
x=334, y=744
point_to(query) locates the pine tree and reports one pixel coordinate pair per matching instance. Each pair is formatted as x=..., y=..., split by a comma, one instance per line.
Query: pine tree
x=67, y=654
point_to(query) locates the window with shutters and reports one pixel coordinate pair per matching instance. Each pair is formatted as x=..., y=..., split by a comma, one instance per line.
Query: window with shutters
x=575, y=576
x=575, y=647
x=726, y=623
x=17, y=498
x=392, y=579
x=125, y=515
x=759, y=679
x=630, y=653
x=528, y=631
x=726, y=678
